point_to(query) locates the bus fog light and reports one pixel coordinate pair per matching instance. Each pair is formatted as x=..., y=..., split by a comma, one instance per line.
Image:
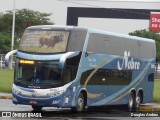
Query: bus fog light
x=16, y=91
x=66, y=100
x=14, y=99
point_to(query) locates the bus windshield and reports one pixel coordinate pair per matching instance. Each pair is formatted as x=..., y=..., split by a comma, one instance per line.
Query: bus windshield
x=44, y=41
x=38, y=74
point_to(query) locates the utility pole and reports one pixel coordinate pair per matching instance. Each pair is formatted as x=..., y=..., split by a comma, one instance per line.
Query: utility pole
x=13, y=29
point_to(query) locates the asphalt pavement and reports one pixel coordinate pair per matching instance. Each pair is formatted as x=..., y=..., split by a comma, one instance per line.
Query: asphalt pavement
x=10, y=111
x=61, y=113
x=143, y=107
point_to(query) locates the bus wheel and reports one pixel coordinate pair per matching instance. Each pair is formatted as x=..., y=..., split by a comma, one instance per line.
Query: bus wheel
x=37, y=108
x=131, y=102
x=80, y=107
x=138, y=100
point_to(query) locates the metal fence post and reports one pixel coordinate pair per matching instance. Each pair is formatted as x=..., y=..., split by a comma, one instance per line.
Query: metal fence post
x=1, y=60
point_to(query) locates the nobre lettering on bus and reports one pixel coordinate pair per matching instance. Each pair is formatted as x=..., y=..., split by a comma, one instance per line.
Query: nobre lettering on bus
x=128, y=64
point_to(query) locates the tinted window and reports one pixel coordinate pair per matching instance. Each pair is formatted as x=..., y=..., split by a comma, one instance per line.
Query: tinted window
x=71, y=68
x=107, y=77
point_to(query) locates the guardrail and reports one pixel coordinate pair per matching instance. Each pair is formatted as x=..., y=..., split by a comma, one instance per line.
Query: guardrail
x=2, y=61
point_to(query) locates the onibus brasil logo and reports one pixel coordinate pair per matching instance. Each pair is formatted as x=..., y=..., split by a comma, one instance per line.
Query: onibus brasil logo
x=128, y=64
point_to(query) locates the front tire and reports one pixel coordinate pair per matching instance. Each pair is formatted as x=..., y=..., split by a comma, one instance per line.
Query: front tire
x=36, y=108
x=80, y=107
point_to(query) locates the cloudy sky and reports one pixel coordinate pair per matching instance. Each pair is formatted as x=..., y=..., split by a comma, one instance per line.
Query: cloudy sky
x=39, y=5
x=58, y=8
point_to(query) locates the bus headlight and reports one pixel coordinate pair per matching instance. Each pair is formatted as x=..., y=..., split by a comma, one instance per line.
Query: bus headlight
x=16, y=90
x=56, y=93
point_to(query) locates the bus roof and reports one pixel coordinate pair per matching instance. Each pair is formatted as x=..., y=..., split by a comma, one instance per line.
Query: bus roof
x=90, y=30
x=51, y=27
x=120, y=35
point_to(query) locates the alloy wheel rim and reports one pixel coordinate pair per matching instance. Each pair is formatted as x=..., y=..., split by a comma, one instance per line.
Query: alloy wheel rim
x=80, y=104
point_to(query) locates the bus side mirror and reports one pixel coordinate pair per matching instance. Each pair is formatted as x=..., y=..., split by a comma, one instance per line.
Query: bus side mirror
x=7, y=57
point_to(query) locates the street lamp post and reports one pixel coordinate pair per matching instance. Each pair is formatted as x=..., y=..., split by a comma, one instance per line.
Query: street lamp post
x=13, y=29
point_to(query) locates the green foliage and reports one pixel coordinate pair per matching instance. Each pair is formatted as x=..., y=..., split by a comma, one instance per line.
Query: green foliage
x=4, y=42
x=24, y=18
x=146, y=33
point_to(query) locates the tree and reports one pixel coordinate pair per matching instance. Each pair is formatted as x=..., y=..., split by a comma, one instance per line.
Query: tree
x=24, y=19
x=146, y=33
x=4, y=42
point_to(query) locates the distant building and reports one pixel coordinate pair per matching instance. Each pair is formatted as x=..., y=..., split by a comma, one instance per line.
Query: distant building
x=122, y=16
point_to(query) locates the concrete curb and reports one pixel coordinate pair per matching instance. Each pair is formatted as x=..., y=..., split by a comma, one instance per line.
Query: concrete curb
x=150, y=108
x=5, y=97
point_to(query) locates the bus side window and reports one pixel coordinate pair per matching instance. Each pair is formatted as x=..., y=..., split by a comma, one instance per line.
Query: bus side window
x=67, y=75
x=71, y=68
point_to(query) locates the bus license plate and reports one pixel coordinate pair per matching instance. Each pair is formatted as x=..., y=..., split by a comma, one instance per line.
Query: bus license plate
x=33, y=102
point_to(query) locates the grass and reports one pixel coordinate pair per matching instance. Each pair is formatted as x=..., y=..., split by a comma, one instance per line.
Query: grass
x=156, y=94
x=6, y=81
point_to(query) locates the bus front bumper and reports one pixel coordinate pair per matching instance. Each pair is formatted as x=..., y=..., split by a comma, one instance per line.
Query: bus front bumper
x=53, y=101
